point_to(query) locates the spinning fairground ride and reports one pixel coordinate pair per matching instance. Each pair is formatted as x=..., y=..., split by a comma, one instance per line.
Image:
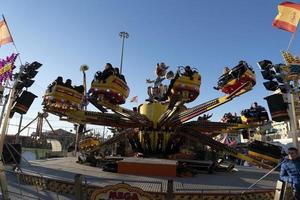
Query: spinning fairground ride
x=162, y=125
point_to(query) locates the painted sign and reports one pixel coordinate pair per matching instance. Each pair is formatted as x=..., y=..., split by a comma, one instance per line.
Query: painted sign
x=6, y=67
x=120, y=191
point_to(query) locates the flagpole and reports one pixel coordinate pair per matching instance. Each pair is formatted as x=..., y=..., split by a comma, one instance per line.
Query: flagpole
x=19, y=56
x=291, y=40
x=12, y=39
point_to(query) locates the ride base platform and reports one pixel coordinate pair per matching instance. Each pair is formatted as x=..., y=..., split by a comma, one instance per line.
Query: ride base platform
x=147, y=167
x=213, y=185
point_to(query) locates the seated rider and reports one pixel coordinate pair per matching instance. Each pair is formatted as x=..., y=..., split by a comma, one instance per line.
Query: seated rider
x=205, y=117
x=223, y=79
x=79, y=89
x=69, y=83
x=59, y=80
x=98, y=75
x=117, y=73
x=226, y=70
x=188, y=72
x=108, y=71
x=241, y=69
x=256, y=109
x=254, y=106
x=49, y=88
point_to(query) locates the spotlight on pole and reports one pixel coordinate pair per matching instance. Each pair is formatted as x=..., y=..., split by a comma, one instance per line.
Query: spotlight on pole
x=84, y=68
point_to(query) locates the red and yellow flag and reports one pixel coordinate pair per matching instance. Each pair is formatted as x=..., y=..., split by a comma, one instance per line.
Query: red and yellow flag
x=5, y=36
x=288, y=16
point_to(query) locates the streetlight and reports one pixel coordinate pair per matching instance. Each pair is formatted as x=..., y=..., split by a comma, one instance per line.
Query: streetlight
x=123, y=35
x=84, y=68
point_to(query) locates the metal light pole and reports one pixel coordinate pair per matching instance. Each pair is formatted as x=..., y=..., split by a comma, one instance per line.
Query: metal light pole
x=123, y=35
x=76, y=127
x=293, y=118
x=83, y=68
x=292, y=91
x=3, y=131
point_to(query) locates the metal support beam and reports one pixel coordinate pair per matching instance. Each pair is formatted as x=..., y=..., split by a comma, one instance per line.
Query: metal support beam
x=293, y=120
x=18, y=133
x=78, y=186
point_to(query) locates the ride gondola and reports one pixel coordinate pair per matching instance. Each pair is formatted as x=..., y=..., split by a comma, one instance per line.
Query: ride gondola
x=230, y=118
x=89, y=144
x=256, y=114
x=236, y=77
x=112, y=89
x=186, y=84
x=63, y=96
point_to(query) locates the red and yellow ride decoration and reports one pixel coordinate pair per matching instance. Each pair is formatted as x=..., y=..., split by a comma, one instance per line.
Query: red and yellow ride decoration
x=6, y=67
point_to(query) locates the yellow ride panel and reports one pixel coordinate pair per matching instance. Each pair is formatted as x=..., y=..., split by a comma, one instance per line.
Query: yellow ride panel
x=153, y=111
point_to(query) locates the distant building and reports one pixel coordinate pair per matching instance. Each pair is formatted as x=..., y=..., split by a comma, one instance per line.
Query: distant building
x=64, y=137
x=274, y=130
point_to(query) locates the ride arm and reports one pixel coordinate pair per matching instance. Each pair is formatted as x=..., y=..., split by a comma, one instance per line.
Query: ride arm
x=186, y=131
x=97, y=118
x=209, y=127
x=213, y=129
x=174, y=107
x=117, y=138
x=188, y=114
x=126, y=113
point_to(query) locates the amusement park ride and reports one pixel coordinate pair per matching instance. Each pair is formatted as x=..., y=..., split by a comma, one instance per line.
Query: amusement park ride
x=159, y=126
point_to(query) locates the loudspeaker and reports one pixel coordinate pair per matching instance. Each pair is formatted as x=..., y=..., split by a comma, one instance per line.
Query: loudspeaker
x=277, y=107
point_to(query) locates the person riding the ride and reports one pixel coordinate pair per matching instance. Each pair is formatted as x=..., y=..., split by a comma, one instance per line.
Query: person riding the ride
x=188, y=72
x=69, y=83
x=223, y=79
x=108, y=71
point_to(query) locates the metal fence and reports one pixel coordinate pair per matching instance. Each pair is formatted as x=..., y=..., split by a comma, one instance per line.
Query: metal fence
x=82, y=187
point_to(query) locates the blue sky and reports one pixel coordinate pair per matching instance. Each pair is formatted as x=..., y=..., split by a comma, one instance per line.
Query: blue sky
x=208, y=35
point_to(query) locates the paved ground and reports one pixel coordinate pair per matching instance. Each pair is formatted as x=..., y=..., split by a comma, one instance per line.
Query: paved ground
x=66, y=168
x=242, y=178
